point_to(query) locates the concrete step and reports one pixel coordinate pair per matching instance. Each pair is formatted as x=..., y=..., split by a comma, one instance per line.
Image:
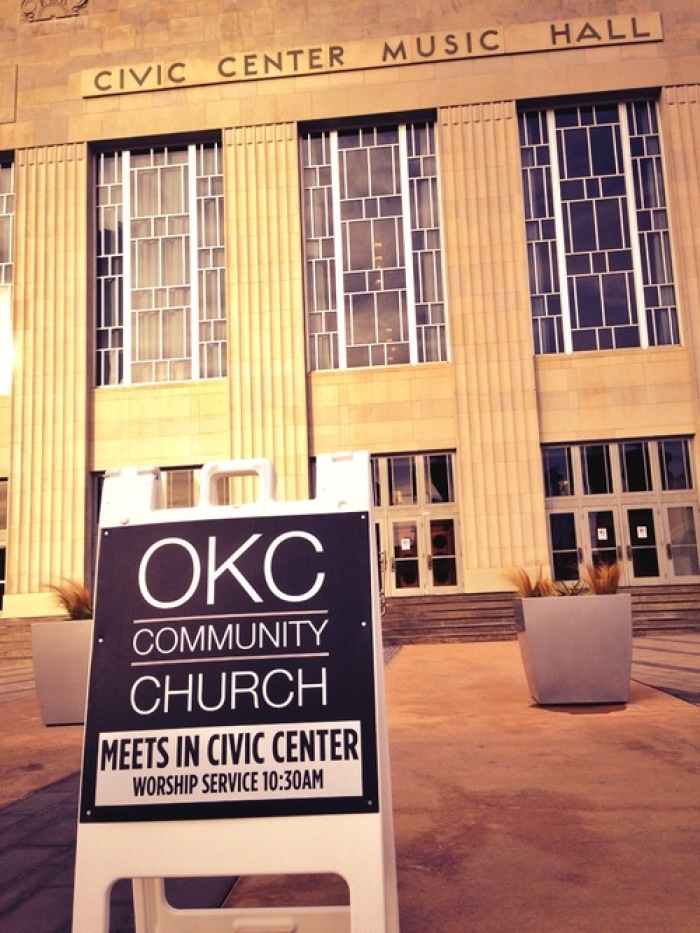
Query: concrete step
x=15, y=640
x=489, y=616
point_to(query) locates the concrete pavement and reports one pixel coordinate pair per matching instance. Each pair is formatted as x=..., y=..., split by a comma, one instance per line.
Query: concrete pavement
x=508, y=816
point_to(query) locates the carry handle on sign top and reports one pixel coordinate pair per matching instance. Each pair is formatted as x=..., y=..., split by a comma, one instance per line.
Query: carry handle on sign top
x=236, y=718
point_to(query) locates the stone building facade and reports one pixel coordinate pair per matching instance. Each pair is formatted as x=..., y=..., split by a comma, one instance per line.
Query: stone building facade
x=462, y=236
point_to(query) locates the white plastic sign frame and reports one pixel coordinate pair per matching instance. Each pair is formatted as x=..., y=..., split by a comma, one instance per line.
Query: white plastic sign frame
x=236, y=716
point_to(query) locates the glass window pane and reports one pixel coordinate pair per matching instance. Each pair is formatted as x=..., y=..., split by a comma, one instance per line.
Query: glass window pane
x=642, y=532
x=173, y=190
x=178, y=488
x=602, y=536
x=562, y=527
x=576, y=162
x=402, y=480
x=438, y=478
x=581, y=227
x=442, y=551
x=603, y=150
x=636, y=467
x=406, y=566
x=684, y=547
x=3, y=504
x=355, y=181
x=145, y=193
x=384, y=172
x=597, y=473
x=674, y=465
x=558, y=476
x=376, y=483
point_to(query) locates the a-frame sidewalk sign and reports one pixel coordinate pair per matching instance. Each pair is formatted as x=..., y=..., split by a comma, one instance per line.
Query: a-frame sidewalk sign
x=236, y=718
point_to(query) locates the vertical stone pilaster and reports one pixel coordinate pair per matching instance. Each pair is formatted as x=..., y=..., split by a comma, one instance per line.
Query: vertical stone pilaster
x=502, y=504
x=679, y=113
x=267, y=368
x=48, y=457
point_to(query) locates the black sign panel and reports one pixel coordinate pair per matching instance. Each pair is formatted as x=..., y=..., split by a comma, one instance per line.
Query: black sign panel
x=232, y=671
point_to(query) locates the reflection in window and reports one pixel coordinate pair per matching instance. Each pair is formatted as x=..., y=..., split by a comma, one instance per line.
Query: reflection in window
x=684, y=548
x=372, y=247
x=181, y=489
x=636, y=467
x=402, y=480
x=413, y=479
x=637, y=461
x=442, y=552
x=438, y=478
x=597, y=473
x=178, y=488
x=558, y=477
x=674, y=465
x=376, y=484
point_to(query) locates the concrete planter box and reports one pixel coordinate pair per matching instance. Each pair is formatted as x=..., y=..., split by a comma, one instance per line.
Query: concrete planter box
x=61, y=652
x=576, y=649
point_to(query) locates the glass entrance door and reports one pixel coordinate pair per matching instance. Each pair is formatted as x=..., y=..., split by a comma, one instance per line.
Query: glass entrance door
x=628, y=534
x=631, y=500
x=405, y=564
x=416, y=513
x=682, y=550
x=442, y=555
x=424, y=556
x=602, y=532
x=642, y=547
x=656, y=546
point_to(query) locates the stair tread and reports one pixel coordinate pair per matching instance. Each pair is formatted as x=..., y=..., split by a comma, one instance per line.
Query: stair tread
x=489, y=616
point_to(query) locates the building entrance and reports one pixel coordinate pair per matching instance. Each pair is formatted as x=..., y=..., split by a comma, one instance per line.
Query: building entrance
x=417, y=524
x=422, y=556
x=632, y=502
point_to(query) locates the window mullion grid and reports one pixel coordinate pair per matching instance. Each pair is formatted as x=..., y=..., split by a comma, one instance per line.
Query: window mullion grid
x=631, y=204
x=193, y=241
x=408, y=246
x=560, y=239
x=443, y=270
x=668, y=208
x=338, y=241
x=8, y=212
x=127, y=349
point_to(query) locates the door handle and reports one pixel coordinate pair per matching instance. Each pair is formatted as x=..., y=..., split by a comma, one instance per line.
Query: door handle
x=629, y=552
x=430, y=561
x=669, y=552
x=619, y=552
x=579, y=552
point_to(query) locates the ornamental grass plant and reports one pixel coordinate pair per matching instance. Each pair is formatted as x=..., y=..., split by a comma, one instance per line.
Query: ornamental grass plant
x=603, y=578
x=597, y=580
x=74, y=597
x=526, y=587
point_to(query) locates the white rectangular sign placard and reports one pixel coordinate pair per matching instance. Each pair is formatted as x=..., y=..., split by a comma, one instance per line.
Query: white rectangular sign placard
x=229, y=764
